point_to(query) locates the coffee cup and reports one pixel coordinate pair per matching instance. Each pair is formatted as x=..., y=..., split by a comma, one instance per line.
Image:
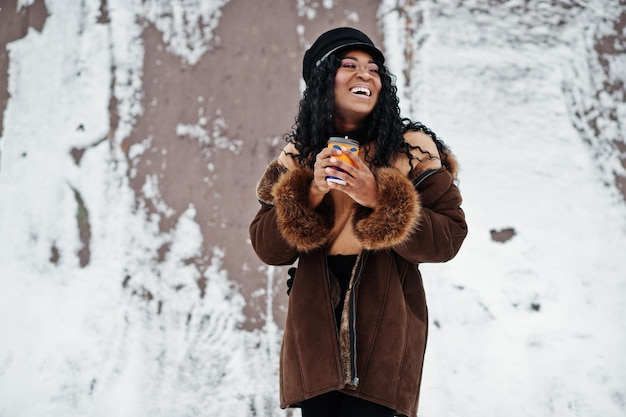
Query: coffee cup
x=342, y=143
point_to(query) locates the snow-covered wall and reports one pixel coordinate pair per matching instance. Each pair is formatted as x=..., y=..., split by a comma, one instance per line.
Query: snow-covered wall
x=132, y=134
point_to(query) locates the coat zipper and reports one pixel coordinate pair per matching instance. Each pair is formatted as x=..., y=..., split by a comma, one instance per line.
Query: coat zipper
x=354, y=381
x=352, y=315
x=422, y=177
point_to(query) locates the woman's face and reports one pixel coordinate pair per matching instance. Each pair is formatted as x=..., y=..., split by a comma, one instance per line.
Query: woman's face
x=357, y=87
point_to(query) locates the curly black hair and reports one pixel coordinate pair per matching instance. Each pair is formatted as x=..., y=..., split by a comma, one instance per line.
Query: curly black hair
x=384, y=128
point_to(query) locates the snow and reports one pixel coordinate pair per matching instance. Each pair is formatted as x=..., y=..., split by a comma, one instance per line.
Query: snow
x=531, y=326
x=524, y=166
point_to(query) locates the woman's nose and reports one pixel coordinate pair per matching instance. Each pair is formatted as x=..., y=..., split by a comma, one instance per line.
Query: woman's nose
x=364, y=74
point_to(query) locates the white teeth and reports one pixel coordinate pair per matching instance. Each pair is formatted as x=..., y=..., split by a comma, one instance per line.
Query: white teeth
x=361, y=90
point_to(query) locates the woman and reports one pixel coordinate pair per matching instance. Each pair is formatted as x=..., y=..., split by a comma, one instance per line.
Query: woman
x=356, y=324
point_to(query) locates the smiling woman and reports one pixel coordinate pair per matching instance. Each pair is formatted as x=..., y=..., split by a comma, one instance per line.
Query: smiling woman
x=357, y=86
x=357, y=321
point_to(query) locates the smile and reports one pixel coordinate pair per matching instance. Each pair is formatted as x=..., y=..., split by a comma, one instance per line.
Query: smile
x=361, y=91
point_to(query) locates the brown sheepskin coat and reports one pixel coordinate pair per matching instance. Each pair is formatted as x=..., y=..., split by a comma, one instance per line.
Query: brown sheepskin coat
x=377, y=350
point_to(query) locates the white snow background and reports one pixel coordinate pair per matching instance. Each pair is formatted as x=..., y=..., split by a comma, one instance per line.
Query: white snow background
x=530, y=327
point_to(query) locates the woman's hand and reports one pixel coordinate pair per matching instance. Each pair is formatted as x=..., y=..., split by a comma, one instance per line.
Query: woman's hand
x=360, y=182
x=319, y=186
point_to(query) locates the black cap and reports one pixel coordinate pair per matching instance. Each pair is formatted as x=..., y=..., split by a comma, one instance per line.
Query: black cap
x=333, y=41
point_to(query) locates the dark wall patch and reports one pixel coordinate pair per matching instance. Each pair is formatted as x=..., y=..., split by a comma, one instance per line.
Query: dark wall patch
x=84, y=229
x=502, y=235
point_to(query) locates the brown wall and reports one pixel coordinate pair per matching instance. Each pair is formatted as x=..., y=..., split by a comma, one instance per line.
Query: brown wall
x=251, y=81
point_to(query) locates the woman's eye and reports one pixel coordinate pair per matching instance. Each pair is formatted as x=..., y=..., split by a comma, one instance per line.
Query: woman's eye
x=350, y=64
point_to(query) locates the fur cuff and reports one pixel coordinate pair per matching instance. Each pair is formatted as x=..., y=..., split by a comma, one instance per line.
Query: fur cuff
x=264, y=188
x=396, y=217
x=301, y=226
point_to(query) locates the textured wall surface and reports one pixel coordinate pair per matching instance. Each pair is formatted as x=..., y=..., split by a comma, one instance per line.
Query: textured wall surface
x=132, y=134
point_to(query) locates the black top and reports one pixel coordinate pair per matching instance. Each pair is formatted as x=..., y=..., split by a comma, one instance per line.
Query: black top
x=341, y=267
